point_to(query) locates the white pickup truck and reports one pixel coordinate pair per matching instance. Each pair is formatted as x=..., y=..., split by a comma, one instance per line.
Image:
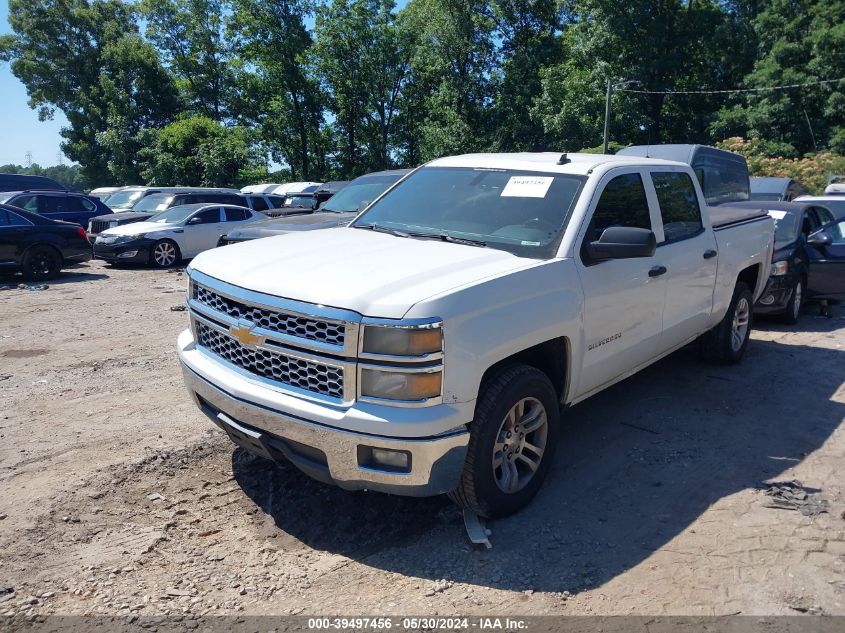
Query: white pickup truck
x=431, y=346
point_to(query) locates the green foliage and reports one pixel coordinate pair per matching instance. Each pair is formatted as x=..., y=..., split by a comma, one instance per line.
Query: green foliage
x=198, y=151
x=812, y=169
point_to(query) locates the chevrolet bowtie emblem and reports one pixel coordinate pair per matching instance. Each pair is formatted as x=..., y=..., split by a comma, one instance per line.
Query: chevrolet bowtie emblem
x=245, y=335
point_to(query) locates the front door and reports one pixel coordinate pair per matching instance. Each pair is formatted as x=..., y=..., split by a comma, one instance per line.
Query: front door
x=827, y=264
x=623, y=299
x=201, y=236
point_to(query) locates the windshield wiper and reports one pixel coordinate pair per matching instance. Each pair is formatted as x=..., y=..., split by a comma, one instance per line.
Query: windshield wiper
x=382, y=229
x=445, y=237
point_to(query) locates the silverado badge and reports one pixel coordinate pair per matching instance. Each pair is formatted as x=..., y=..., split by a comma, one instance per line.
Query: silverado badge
x=245, y=336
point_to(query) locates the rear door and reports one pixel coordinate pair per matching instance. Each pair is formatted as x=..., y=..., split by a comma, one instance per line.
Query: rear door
x=204, y=235
x=623, y=304
x=687, y=250
x=13, y=234
x=827, y=264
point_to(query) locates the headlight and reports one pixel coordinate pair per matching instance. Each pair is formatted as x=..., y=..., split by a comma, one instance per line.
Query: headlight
x=400, y=385
x=780, y=268
x=129, y=238
x=402, y=341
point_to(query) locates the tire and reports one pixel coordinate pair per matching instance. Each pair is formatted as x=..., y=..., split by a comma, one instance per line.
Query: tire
x=164, y=254
x=41, y=262
x=725, y=344
x=792, y=313
x=492, y=491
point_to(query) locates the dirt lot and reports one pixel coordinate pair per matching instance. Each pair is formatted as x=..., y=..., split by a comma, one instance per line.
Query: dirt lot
x=117, y=496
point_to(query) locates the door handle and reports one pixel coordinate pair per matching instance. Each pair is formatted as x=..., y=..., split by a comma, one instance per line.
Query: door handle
x=657, y=271
x=710, y=254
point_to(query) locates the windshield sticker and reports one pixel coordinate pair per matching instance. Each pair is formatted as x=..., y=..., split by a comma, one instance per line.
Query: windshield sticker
x=527, y=187
x=777, y=215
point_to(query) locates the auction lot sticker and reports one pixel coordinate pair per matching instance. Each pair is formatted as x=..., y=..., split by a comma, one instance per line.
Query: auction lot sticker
x=527, y=187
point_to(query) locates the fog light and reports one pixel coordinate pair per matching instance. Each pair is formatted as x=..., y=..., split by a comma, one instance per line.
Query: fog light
x=384, y=459
x=767, y=300
x=128, y=254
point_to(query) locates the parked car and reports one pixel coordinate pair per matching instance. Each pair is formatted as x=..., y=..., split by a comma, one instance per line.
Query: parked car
x=339, y=210
x=67, y=206
x=38, y=246
x=103, y=193
x=794, y=258
x=835, y=204
x=129, y=197
x=429, y=346
x=723, y=175
x=172, y=235
x=777, y=189
x=155, y=203
x=23, y=182
x=327, y=190
x=835, y=184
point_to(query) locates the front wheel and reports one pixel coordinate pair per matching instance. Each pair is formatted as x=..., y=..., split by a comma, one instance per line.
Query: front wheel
x=793, y=310
x=164, y=254
x=725, y=344
x=512, y=440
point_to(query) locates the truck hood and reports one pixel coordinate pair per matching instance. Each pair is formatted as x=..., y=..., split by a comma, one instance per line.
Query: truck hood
x=374, y=274
x=279, y=226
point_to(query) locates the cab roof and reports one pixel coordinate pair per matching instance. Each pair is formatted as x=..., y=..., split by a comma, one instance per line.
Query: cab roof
x=579, y=164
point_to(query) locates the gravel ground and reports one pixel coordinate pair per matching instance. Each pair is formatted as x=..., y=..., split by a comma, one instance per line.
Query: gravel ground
x=118, y=497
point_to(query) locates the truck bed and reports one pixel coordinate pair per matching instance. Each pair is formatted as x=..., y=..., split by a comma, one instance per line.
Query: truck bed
x=722, y=216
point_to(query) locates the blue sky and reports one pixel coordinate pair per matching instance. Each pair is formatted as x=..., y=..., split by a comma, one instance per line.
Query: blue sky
x=21, y=131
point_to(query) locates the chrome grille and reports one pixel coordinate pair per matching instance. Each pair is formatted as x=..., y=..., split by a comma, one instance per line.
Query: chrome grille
x=317, y=377
x=97, y=226
x=281, y=322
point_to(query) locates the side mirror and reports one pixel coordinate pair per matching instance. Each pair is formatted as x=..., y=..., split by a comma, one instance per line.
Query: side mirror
x=195, y=220
x=622, y=242
x=820, y=238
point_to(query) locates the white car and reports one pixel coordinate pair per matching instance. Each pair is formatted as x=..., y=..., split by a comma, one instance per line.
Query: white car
x=179, y=233
x=430, y=346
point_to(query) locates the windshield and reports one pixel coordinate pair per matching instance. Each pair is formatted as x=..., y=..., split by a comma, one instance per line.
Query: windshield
x=124, y=198
x=154, y=202
x=786, y=225
x=349, y=199
x=173, y=215
x=522, y=212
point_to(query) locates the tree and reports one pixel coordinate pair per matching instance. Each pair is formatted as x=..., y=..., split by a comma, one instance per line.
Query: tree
x=363, y=61
x=800, y=42
x=85, y=58
x=191, y=36
x=278, y=93
x=198, y=151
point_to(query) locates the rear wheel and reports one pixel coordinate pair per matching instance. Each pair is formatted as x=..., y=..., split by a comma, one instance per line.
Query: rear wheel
x=164, y=254
x=793, y=310
x=41, y=262
x=512, y=440
x=725, y=344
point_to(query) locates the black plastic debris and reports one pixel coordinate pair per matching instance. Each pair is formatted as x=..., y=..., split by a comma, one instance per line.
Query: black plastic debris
x=791, y=495
x=179, y=308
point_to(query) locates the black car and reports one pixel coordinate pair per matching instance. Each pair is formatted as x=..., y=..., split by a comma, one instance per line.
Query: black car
x=67, y=206
x=21, y=182
x=339, y=210
x=799, y=264
x=37, y=246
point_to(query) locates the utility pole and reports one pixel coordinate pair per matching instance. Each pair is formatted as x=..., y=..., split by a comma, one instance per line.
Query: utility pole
x=28, y=159
x=607, y=115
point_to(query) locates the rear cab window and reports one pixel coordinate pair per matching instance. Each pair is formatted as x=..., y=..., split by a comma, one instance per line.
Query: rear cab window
x=678, y=202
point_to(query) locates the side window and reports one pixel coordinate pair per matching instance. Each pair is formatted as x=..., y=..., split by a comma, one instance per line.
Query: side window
x=30, y=203
x=837, y=232
x=236, y=215
x=258, y=203
x=209, y=216
x=622, y=203
x=824, y=215
x=277, y=201
x=17, y=220
x=52, y=204
x=88, y=205
x=74, y=204
x=679, y=208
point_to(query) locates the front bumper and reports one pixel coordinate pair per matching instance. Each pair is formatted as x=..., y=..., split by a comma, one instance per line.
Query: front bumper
x=776, y=296
x=325, y=452
x=136, y=251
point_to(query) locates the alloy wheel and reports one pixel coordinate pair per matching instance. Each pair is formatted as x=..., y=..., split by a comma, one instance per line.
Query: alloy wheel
x=520, y=445
x=741, y=321
x=164, y=254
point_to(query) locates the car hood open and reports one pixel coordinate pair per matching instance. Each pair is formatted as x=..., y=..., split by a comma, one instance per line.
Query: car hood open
x=375, y=274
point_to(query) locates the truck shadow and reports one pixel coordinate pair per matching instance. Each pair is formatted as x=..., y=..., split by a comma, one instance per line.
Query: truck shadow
x=636, y=466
